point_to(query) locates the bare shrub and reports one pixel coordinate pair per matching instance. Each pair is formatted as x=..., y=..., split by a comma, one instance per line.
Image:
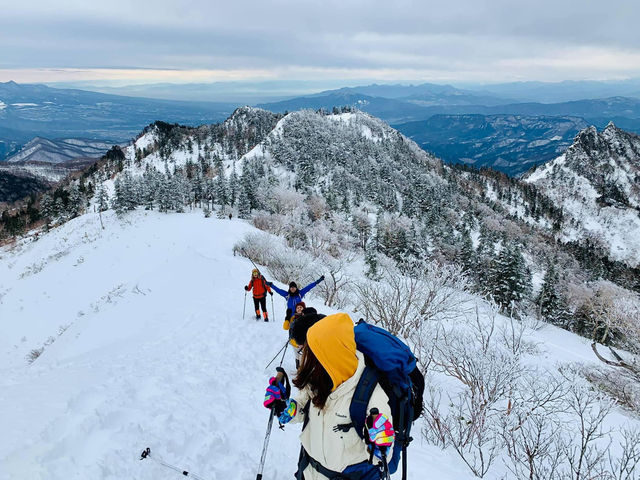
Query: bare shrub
x=621, y=385
x=316, y=207
x=401, y=304
x=336, y=288
x=471, y=425
x=468, y=427
x=513, y=335
x=288, y=265
x=33, y=355
x=531, y=430
x=285, y=200
x=608, y=314
x=320, y=239
x=627, y=465
x=271, y=222
x=284, y=264
x=585, y=441
x=257, y=247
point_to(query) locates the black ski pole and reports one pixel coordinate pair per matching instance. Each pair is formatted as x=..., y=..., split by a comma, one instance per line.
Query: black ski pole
x=246, y=255
x=385, y=467
x=279, y=377
x=276, y=356
x=146, y=453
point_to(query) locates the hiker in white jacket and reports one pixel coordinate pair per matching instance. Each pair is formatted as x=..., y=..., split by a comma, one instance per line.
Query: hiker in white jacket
x=328, y=375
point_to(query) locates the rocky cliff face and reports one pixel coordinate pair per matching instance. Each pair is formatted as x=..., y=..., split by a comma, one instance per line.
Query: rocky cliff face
x=597, y=183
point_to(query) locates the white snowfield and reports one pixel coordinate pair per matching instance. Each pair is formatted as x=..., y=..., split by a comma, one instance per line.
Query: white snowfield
x=146, y=347
x=155, y=354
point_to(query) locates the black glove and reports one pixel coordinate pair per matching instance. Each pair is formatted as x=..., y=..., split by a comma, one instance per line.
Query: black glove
x=321, y=279
x=271, y=293
x=246, y=288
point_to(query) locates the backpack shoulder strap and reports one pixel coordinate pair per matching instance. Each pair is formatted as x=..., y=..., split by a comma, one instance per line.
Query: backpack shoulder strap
x=361, y=397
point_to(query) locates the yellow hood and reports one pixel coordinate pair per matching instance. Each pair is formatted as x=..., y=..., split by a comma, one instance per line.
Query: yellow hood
x=333, y=343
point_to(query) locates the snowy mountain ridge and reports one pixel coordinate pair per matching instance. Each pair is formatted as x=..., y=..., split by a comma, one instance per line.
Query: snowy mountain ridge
x=597, y=183
x=352, y=160
x=43, y=150
x=144, y=343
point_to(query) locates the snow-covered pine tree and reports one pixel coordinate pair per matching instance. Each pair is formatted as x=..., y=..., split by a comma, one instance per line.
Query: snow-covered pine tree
x=467, y=255
x=221, y=189
x=46, y=209
x=551, y=301
x=509, y=278
x=234, y=187
x=102, y=198
x=76, y=202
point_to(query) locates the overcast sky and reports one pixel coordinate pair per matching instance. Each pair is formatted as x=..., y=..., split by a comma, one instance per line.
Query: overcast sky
x=357, y=41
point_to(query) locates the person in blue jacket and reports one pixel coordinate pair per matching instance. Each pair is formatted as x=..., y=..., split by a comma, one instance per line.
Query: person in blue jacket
x=293, y=295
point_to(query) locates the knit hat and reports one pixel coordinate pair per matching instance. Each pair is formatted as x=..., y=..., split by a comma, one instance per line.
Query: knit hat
x=293, y=284
x=301, y=304
x=333, y=343
x=299, y=328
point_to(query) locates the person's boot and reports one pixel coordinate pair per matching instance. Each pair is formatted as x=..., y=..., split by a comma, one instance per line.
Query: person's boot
x=266, y=316
x=257, y=314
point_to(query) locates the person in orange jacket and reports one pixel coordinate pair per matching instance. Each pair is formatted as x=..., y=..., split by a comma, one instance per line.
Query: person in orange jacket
x=260, y=289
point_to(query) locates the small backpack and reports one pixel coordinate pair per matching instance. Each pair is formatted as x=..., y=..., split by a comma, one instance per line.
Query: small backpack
x=390, y=363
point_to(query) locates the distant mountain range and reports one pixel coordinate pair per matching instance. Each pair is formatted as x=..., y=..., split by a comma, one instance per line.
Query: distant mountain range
x=415, y=107
x=41, y=163
x=28, y=111
x=556, y=92
x=41, y=150
x=476, y=127
x=483, y=125
x=510, y=143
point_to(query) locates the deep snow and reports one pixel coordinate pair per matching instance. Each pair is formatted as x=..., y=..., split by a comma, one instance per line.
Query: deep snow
x=155, y=353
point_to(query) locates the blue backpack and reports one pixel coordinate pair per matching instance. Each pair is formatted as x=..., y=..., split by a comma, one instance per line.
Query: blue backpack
x=390, y=363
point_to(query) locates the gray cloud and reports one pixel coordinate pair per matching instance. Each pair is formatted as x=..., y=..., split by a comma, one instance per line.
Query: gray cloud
x=454, y=38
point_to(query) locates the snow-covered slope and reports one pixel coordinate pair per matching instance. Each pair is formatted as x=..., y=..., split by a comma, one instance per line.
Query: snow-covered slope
x=145, y=345
x=597, y=183
x=42, y=150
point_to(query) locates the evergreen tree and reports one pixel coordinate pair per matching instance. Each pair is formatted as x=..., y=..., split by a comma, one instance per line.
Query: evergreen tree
x=234, y=187
x=47, y=209
x=467, y=255
x=103, y=199
x=76, y=202
x=220, y=189
x=244, y=203
x=371, y=260
x=509, y=278
x=551, y=301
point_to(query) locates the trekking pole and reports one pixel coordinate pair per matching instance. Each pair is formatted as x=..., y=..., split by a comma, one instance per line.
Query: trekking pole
x=276, y=356
x=279, y=377
x=383, y=465
x=273, y=310
x=146, y=453
x=246, y=255
x=244, y=308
